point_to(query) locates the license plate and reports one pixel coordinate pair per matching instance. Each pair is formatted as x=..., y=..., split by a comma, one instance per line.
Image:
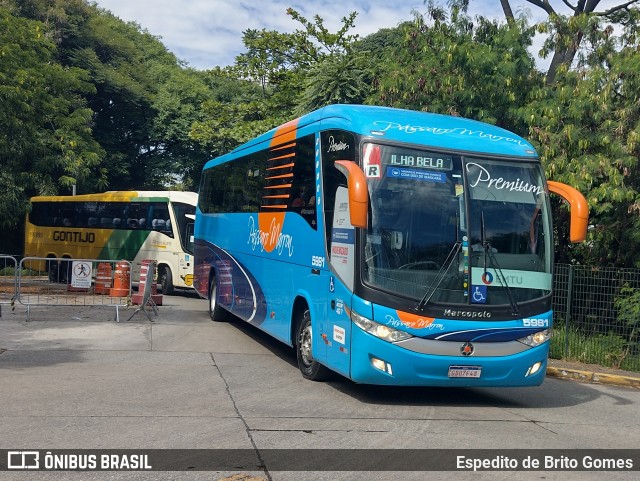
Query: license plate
x=464, y=371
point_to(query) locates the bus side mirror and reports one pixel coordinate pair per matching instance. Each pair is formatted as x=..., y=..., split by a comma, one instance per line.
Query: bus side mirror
x=579, y=209
x=358, y=192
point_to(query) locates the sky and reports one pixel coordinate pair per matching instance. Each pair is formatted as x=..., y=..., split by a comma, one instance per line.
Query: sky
x=208, y=33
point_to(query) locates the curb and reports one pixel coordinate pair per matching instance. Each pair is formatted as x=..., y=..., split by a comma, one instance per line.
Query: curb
x=593, y=377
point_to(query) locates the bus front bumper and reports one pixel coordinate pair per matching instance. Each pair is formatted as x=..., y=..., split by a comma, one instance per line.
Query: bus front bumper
x=374, y=361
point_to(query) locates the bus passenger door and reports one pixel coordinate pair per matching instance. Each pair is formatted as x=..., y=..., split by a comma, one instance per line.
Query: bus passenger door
x=337, y=333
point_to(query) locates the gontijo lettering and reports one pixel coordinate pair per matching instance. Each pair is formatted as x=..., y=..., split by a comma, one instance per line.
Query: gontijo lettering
x=73, y=236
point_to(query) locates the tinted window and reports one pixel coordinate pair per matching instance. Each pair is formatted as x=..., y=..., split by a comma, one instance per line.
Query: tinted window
x=272, y=180
x=103, y=215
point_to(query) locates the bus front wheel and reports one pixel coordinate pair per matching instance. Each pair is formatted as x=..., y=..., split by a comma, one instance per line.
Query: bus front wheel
x=216, y=312
x=309, y=367
x=166, y=281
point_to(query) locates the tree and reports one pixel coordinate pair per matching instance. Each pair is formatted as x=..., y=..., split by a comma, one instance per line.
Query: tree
x=566, y=34
x=137, y=100
x=280, y=76
x=450, y=64
x=338, y=79
x=235, y=112
x=320, y=64
x=587, y=130
x=45, y=126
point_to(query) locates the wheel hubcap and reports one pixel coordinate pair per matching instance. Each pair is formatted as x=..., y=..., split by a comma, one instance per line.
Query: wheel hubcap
x=212, y=299
x=305, y=346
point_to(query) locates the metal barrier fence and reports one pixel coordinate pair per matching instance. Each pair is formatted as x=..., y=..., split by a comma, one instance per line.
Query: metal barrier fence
x=597, y=316
x=73, y=282
x=8, y=280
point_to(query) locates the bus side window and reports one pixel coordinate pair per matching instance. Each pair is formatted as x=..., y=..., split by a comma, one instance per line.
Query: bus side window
x=334, y=145
x=302, y=198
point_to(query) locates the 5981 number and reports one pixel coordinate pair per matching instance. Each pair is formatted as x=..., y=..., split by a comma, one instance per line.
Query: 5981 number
x=535, y=322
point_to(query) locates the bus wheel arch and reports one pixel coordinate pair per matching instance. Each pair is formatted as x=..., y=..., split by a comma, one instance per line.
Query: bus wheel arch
x=303, y=342
x=217, y=313
x=165, y=279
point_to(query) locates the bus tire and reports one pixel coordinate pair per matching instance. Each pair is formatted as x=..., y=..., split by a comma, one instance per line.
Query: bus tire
x=309, y=367
x=216, y=312
x=166, y=281
x=64, y=274
x=52, y=269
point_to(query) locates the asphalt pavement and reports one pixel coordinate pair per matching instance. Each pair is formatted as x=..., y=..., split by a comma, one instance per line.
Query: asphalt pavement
x=71, y=378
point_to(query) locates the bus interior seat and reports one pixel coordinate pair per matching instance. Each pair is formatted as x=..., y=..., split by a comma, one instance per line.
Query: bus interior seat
x=132, y=223
x=158, y=224
x=142, y=223
x=92, y=222
x=106, y=222
x=168, y=224
x=117, y=222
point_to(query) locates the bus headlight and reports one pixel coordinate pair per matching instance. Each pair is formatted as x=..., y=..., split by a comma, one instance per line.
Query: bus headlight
x=381, y=331
x=536, y=339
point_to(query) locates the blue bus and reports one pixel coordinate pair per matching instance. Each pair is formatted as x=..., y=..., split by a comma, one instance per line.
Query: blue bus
x=391, y=246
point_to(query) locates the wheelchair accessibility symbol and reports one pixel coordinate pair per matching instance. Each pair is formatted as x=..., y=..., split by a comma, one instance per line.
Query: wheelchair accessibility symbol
x=479, y=294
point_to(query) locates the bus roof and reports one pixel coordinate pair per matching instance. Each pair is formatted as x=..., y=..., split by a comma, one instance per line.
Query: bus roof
x=399, y=125
x=123, y=196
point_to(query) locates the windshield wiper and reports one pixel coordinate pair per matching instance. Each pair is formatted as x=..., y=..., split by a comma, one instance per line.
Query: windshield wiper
x=488, y=253
x=455, y=249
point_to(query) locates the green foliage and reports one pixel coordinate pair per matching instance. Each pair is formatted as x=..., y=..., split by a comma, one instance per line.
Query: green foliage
x=11, y=271
x=627, y=305
x=587, y=131
x=314, y=61
x=609, y=350
x=338, y=79
x=45, y=126
x=453, y=65
x=92, y=101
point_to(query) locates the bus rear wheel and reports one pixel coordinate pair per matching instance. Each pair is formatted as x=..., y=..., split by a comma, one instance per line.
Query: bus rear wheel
x=166, y=281
x=309, y=367
x=216, y=312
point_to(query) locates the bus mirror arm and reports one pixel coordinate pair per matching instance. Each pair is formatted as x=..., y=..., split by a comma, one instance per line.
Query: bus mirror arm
x=358, y=192
x=579, y=209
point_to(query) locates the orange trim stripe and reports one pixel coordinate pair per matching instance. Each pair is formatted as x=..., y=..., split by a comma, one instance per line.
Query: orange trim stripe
x=286, y=156
x=282, y=147
x=282, y=186
x=274, y=206
x=283, y=196
x=284, y=176
x=286, y=133
x=286, y=166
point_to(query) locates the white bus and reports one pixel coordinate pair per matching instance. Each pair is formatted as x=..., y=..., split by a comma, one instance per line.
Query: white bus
x=123, y=225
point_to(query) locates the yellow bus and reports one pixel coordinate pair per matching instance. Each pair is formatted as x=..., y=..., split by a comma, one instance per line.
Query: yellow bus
x=124, y=225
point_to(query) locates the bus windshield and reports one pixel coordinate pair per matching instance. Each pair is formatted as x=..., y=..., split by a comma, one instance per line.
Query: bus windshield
x=456, y=230
x=184, y=214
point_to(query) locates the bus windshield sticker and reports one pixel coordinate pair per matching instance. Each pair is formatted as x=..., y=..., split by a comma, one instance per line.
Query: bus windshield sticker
x=372, y=161
x=425, y=160
x=479, y=295
x=412, y=174
x=513, y=188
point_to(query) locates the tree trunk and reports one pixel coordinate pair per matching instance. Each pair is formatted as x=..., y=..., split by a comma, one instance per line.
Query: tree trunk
x=508, y=13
